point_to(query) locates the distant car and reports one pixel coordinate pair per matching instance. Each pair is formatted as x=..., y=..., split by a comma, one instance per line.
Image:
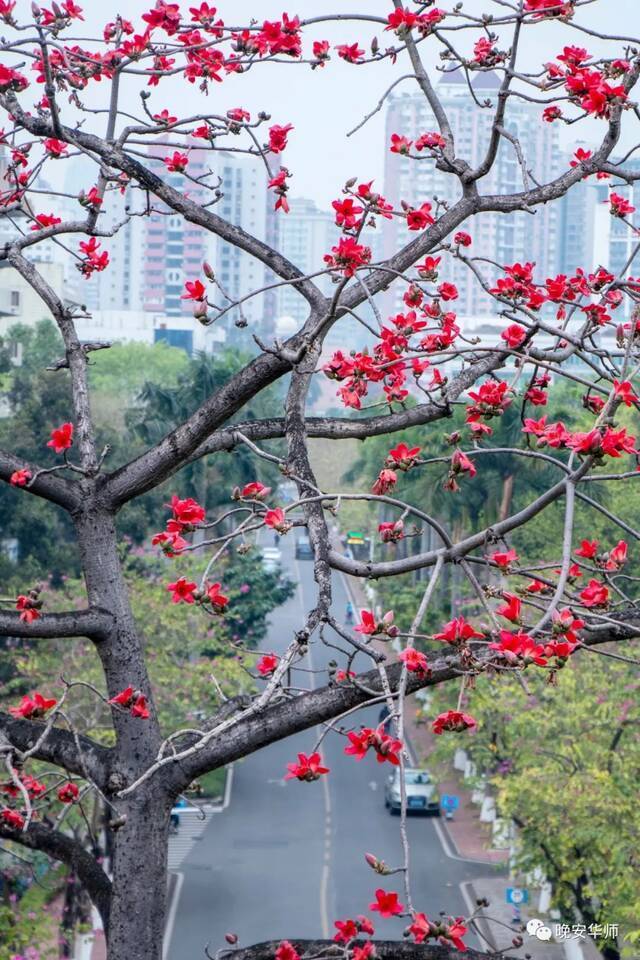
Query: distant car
x=422, y=796
x=271, y=558
x=304, y=550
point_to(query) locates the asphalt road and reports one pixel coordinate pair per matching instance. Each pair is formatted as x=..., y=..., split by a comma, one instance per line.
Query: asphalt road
x=285, y=860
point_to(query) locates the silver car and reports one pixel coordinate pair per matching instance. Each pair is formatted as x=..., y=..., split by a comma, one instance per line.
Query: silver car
x=422, y=796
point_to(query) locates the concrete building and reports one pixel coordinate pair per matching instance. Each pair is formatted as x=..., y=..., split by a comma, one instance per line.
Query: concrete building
x=307, y=233
x=174, y=248
x=143, y=326
x=589, y=237
x=505, y=239
x=19, y=303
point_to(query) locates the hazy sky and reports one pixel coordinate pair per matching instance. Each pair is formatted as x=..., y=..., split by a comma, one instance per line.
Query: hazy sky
x=324, y=104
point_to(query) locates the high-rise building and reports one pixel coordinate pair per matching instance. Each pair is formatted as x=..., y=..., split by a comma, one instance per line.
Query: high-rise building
x=306, y=235
x=120, y=286
x=175, y=249
x=622, y=241
x=502, y=238
x=589, y=237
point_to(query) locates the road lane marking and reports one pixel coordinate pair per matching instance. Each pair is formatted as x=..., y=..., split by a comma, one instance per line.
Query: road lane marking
x=171, y=917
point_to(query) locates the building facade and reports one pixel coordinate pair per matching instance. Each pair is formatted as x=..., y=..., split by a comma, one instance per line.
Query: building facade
x=498, y=237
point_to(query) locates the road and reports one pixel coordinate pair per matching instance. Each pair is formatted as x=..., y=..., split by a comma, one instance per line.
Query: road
x=284, y=860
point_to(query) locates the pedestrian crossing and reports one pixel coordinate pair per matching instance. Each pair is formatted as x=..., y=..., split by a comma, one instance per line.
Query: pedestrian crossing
x=193, y=823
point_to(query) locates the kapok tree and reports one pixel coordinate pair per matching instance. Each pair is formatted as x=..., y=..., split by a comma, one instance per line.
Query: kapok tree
x=49, y=84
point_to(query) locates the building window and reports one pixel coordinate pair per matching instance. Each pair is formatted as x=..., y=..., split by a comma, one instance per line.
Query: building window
x=15, y=298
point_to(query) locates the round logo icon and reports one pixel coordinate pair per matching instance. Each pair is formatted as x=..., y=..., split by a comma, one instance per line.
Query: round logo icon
x=536, y=928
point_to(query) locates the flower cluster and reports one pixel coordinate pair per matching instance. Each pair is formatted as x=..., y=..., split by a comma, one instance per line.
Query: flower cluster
x=132, y=700
x=33, y=707
x=370, y=626
x=187, y=515
x=93, y=260
x=186, y=591
x=592, y=89
x=386, y=748
x=308, y=768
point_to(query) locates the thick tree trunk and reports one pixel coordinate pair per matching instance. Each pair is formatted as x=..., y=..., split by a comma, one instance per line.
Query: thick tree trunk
x=139, y=819
x=138, y=906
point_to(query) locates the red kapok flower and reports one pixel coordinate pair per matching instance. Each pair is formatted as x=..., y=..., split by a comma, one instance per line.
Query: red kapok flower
x=359, y=743
x=61, y=438
x=387, y=479
x=350, y=52
x=504, y=559
x=177, y=162
x=391, y=532
x=186, y=513
x=403, y=457
x=44, y=220
x=217, y=600
x=12, y=818
x=124, y=698
x=617, y=557
x=267, y=664
x=587, y=549
x=28, y=607
x=308, y=768
x=278, y=137
x=277, y=520
x=171, y=544
x=196, y=290
x=595, y=594
x=55, y=148
x=624, y=391
x=255, y=491
x=68, y=793
x=414, y=660
x=457, y=631
x=400, y=144
x=139, y=707
x=462, y=238
x=182, y=591
x=453, y=720
x=347, y=930
x=370, y=626
x=619, y=206
x=287, y=952
x=512, y=608
x=20, y=478
x=551, y=113
x=386, y=904
x=33, y=707
x=514, y=335
x=519, y=647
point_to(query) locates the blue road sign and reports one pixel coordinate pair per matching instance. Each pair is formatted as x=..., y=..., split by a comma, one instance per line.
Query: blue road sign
x=449, y=801
x=516, y=896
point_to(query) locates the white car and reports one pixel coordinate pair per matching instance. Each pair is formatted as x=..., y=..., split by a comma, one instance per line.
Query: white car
x=271, y=558
x=422, y=796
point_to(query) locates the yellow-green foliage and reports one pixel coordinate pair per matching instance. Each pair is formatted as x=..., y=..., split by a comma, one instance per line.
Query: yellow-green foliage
x=564, y=765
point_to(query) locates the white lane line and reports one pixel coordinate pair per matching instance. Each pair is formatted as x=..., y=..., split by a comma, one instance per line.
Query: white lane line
x=171, y=917
x=226, y=800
